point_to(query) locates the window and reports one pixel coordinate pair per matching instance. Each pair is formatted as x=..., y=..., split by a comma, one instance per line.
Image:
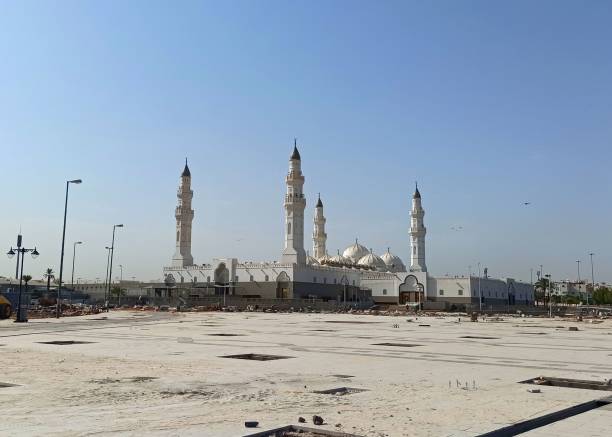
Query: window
x=289, y=228
x=460, y=292
x=266, y=278
x=414, y=250
x=353, y=282
x=334, y=280
x=251, y=278
x=195, y=280
x=325, y=280
x=441, y=293
x=236, y=279
x=208, y=279
x=384, y=291
x=314, y=279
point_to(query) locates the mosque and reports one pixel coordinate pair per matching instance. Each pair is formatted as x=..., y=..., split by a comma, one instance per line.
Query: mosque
x=356, y=274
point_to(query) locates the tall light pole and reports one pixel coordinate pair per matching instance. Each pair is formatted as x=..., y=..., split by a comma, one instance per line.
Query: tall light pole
x=59, y=288
x=108, y=249
x=21, y=317
x=479, y=290
x=112, y=253
x=592, y=277
x=549, y=296
x=121, y=273
x=579, y=288
x=73, y=257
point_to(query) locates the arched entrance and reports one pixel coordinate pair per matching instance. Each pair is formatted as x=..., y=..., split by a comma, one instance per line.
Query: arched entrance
x=221, y=279
x=411, y=291
x=282, y=286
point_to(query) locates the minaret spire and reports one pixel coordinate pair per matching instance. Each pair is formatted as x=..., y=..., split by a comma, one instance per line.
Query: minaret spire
x=319, y=237
x=295, y=203
x=184, y=217
x=417, y=234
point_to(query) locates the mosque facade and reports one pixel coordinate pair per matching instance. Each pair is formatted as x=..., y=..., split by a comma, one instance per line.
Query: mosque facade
x=356, y=274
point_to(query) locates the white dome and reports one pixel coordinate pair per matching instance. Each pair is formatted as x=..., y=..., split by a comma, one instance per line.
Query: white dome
x=355, y=252
x=393, y=262
x=374, y=261
x=341, y=260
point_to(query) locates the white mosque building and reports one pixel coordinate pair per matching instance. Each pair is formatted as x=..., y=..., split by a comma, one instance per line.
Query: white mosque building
x=356, y=274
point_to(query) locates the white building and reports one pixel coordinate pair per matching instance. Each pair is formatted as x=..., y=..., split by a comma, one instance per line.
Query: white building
x=355, y=274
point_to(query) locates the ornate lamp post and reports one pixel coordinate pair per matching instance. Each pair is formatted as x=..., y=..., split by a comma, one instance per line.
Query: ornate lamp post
x=21, y=317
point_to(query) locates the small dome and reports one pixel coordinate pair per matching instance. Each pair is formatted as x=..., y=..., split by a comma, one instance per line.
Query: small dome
x=355, y=252
x=393, y=262
x=374, y=261
x=341, y=260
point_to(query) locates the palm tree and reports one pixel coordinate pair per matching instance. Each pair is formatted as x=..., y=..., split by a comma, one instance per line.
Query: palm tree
x=49, y=275
x=539, y=289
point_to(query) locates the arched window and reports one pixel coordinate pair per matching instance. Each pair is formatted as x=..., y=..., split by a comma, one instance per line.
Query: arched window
x=251, y=278
x=208, y=279
x=178, y=236
x=267, y=278
x=289, y=228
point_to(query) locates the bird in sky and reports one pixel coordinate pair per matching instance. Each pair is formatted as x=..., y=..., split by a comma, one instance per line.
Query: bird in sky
x=526, y=203
x=457, y=228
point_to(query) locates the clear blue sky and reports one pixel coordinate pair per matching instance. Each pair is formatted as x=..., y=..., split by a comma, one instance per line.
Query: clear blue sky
x=487, y=104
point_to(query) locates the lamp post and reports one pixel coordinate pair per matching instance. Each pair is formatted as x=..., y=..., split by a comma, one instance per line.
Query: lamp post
x=73, y=256
x=579, y=287
x=112, y=253
x=592, y=277
x=20, y=317
x=59, y=288
x=106, y=277
x=549, y=296
x=479, y=290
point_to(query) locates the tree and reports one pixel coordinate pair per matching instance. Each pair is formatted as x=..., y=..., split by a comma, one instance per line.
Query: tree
x=602, y=296
x=540, y=290
x=50, y=276
x=117, y=292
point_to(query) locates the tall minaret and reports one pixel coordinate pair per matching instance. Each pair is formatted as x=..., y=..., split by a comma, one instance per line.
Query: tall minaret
x=184, y=216
x=319, y=237
x=417, y=234
x=295, y=203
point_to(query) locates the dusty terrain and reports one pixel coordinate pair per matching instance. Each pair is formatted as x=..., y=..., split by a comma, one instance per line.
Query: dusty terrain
x=163, y=374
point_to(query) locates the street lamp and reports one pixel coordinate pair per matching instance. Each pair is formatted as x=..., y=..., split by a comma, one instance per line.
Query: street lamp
x=549, y=296
x=59, y=288
x=479, y=290
x=73, y=256
x=112, y=253
x=592, y=277
x=108, y=249
x=121, y=273
x=21, y=317
x=579, y=287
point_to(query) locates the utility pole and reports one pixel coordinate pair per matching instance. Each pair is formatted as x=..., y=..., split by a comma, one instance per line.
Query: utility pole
x=592, y=277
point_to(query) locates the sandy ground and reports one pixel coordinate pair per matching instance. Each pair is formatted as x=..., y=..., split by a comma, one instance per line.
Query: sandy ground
x=164, y=374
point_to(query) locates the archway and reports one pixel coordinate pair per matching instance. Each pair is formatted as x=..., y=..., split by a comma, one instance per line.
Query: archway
x=282, y=286
x=411, y=291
